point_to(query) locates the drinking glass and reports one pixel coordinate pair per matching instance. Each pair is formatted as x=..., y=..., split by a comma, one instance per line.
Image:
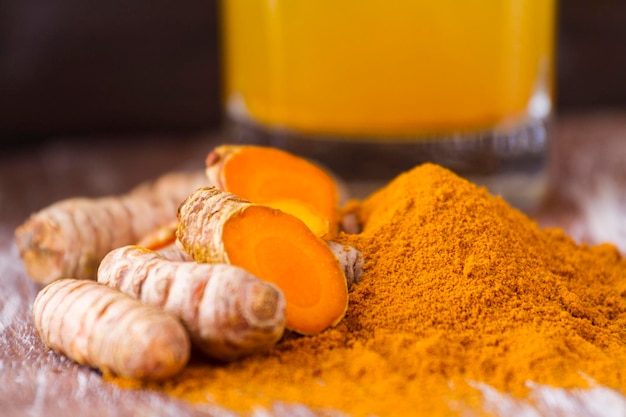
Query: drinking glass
x=371, y=88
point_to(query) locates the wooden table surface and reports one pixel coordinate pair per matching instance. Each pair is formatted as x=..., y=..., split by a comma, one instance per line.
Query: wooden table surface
x=586, y=197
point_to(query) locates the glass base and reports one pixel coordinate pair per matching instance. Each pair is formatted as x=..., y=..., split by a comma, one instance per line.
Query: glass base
x=510, y=163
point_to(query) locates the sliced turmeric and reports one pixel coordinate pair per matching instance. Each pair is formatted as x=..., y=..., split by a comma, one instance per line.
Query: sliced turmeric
x=228, y=312
x=163, y=241
x=159, y=238
x=278, y=179
x=70, y=237
x=220, y=227
x=100, y=327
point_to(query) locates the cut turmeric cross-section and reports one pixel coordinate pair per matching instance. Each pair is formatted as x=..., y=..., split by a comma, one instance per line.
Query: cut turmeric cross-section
x=275, y=178
x=217, y=226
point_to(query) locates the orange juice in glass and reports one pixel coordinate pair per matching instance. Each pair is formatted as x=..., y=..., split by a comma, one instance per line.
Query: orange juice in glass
x=372, y=87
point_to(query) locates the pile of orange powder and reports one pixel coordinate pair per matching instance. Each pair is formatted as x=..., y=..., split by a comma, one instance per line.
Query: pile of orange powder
x=458, y=289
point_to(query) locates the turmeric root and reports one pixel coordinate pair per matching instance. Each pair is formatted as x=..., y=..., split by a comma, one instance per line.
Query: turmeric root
x=277, y=179
x=174, y=253
x=163, y=236
x=163, y=242
x=97, y=326
x=219, y=227
x=350, y=259
x=228, y=312
x=70, y=237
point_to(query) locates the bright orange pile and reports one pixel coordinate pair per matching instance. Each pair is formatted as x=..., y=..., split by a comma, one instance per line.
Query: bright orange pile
x=458, y=287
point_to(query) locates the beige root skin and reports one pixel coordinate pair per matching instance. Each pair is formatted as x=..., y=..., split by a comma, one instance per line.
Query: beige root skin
x=100, y=327
x=215, y=161
x=200, y=238
x=70, y=237
x=350, y=259
x=174, y=253
x=228, y=312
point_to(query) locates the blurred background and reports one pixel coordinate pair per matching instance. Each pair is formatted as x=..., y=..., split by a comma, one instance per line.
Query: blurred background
x=70, y=68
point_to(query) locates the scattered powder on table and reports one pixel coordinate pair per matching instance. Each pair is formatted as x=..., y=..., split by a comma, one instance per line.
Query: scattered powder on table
x=458, y=287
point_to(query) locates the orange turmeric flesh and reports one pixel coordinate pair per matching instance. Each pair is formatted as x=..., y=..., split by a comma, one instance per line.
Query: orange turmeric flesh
x=265, y=175
x=319, y=225
x=279, y=248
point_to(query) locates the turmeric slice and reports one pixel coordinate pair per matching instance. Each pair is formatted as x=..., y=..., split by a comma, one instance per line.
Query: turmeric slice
x=100, y=327
x=275, y=178
x=163, y=241
x=318, y=224
x=159, y=238
x=220, y=227
x=70, y=237
x=228, y=312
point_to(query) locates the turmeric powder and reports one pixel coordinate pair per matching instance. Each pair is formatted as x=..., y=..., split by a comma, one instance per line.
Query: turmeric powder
x=459, y=291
